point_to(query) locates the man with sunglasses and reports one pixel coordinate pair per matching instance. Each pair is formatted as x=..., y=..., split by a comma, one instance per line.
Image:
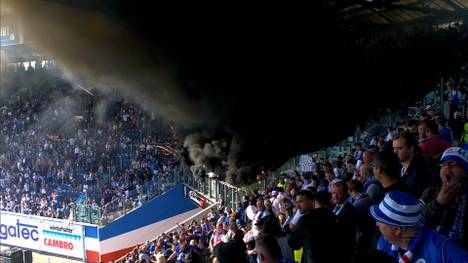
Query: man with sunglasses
x=446, y=206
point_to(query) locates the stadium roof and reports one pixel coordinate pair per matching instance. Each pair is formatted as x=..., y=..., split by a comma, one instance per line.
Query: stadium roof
x=382, y=14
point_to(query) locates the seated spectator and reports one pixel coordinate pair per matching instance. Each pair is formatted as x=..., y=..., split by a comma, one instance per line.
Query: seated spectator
x=446, y=206
x=405, y=238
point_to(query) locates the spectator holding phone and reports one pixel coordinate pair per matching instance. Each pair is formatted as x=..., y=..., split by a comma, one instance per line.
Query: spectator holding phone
x=446, y=206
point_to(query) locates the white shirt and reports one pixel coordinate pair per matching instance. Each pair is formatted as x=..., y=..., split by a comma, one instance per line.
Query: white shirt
x=275, y=206
x=296, y=217
x=259, y=215
x=250, y=211
x=145, y=257
x=389, y=136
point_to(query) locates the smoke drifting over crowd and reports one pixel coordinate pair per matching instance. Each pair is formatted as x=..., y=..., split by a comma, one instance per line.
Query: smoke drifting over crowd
x=263, y=83
x=218, y=157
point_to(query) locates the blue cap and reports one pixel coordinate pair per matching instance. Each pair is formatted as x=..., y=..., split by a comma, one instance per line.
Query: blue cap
x=456, y=154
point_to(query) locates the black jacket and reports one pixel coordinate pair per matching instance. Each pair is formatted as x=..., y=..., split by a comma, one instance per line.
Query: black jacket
x=347, y=223
x=317, y=232
x=418, y=176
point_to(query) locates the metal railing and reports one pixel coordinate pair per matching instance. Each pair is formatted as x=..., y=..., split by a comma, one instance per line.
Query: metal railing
x=121, y=205
x=126, y=202
x=214, y=189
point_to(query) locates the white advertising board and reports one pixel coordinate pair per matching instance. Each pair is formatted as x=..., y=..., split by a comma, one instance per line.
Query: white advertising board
x=42, y=234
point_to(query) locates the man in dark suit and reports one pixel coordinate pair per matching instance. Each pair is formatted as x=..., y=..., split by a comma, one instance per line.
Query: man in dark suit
x=365, y=224
x=415, y=169
x=346, y=215
x=316, y=232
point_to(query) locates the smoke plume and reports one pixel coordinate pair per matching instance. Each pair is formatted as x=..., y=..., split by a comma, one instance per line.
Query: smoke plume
x=273, y=83
x=104, y=52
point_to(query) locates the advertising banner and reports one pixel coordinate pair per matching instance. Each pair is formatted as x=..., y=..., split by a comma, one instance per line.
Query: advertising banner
x=42, y=234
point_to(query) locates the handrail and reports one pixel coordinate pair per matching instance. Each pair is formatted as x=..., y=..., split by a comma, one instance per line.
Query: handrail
x=123, y=205
x=213, y=188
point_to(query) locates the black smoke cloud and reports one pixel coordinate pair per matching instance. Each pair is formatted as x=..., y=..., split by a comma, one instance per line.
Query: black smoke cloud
x=258, y=83
x=220, y=156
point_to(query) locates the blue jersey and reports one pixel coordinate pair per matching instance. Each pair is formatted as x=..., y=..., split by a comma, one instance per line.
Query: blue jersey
x=435, y=248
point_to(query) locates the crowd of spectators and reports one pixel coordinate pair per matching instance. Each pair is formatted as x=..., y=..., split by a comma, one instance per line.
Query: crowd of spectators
x=401, y=198
x=59, y=152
